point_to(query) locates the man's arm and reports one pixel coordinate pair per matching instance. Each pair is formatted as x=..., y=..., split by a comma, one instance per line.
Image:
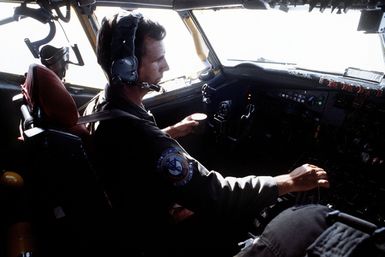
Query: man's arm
x=182, y=128
x=303, y=178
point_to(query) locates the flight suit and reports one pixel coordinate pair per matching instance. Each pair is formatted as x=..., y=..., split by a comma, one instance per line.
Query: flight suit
x=145, y=172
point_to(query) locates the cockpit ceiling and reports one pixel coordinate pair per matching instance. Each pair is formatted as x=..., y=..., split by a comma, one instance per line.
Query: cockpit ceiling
x=253, y=4
x=177, y=5
x=196, y=4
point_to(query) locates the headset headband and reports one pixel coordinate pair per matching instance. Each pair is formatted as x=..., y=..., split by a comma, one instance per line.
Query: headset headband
x=124, y=67
x=50, y=55
x=55, y=59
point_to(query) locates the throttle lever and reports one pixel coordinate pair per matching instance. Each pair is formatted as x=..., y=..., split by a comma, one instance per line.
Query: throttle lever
x=250, y=108
x=206, y=93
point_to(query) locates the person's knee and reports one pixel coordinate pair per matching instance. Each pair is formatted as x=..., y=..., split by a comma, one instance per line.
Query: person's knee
x=291, y=232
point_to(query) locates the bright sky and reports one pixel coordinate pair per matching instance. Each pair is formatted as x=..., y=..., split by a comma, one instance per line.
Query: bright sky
x=326, y=41
x=179, y=46
x=326, y=44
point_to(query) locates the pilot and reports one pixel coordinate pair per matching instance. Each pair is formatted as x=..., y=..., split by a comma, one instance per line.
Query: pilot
x=146, y=172
x=56, y=59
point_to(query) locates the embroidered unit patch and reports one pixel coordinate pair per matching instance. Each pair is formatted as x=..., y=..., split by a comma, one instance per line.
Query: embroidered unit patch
x=175, y=165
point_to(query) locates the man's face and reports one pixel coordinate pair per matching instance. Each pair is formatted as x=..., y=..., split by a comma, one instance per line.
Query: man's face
x=153, y=63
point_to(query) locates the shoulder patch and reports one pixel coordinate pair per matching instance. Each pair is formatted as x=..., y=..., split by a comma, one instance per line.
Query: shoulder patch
x=177, y=168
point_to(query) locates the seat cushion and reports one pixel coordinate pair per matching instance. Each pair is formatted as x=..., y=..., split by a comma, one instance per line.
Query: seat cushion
x=44, y=90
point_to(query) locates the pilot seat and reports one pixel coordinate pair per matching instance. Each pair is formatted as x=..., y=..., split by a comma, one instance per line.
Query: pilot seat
x=70, y=211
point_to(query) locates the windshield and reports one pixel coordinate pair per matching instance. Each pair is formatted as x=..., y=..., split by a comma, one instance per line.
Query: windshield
x=16, y=57
x=315, y=40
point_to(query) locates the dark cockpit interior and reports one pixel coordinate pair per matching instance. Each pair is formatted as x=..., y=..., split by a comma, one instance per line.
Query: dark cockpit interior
x=261, y=120
x=336, y=122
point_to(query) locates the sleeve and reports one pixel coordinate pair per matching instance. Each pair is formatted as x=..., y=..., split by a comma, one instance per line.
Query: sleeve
x=199, y=189
x=196, y=188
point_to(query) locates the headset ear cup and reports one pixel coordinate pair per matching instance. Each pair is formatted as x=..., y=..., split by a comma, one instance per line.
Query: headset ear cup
x=125, y=70
x=55, y=59
x=124, y=66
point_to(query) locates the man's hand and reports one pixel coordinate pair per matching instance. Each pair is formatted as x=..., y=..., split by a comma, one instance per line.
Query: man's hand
x=303, y=178
x=182, y=128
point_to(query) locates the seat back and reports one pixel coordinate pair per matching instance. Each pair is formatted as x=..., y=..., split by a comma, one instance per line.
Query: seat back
x=71, y=208
x=49, y=103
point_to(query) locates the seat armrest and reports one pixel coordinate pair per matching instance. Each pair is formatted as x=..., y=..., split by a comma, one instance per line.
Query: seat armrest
x=27, y=117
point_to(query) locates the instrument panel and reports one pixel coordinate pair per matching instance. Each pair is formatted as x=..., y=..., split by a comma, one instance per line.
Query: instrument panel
x=341, y=131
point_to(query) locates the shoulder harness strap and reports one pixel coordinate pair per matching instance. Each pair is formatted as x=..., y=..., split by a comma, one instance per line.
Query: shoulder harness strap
x=105, y=115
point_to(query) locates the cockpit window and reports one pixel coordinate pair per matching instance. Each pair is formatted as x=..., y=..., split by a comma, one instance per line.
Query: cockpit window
x=325, y=41
x=16, y=57
x=180, y=53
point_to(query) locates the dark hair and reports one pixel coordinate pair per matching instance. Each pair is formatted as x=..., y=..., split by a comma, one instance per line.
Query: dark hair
x=146, y=28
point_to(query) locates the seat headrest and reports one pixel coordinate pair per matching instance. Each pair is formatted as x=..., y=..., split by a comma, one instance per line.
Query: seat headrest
x=45, y=92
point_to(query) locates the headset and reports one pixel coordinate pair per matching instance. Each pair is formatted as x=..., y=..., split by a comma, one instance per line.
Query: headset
x=124, y=67
x=55, y=59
